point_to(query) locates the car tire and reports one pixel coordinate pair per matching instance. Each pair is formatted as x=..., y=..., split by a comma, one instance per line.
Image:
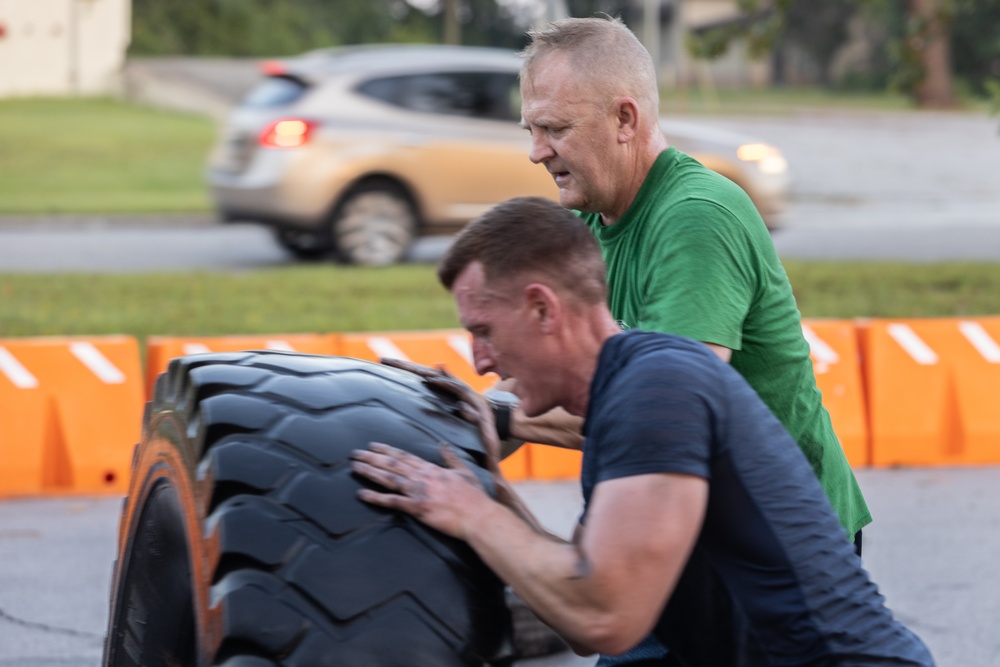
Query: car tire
x=303, y=245
x=242, y=540
x=374, y=224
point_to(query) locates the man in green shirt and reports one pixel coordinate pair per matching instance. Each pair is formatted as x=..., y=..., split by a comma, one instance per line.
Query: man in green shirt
x=686, y=250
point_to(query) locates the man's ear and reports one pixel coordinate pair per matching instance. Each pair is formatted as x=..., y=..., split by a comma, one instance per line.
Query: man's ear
x=544, y=306
x=627, y=117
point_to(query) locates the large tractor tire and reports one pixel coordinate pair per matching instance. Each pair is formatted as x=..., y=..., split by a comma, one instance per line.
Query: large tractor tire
x=242, y=542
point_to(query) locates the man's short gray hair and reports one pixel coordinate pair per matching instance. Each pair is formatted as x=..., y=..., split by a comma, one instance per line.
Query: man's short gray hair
x=605, y=53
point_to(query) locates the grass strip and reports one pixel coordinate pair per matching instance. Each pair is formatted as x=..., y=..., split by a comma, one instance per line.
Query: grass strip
x=328, y=298
x=95, y=155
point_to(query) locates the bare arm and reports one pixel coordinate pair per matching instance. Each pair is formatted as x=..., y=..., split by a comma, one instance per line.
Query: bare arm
x=724, y=352
x=602, y=592
x=556, y=427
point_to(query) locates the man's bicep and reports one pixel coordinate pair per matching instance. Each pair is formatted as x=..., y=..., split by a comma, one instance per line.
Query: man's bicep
x=642, y=529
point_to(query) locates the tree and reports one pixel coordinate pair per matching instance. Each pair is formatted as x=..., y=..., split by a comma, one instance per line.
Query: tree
x=922, y=53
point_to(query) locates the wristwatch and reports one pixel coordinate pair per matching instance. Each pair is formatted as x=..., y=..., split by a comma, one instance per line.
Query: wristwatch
x=502, y=403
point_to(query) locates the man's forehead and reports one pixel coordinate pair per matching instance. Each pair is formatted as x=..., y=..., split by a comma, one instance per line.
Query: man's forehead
x=471, y=289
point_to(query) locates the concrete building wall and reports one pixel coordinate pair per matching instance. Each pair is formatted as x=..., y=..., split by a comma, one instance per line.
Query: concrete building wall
x=62, y=47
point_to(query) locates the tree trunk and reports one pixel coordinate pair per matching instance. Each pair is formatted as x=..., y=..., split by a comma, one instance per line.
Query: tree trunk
x=936, y=90
x=452, y=29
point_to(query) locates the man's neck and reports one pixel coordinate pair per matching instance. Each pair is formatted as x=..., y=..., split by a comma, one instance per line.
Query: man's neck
x=641, y=168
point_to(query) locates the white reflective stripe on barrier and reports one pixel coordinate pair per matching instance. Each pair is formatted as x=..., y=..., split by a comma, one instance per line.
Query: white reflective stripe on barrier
x=15, y=371
x=820, y=351
x=981, y=340
x=913, y=344
x=98, y=364
x=462, y=346
x=385, y=348
x=279, y=345
x=195, y=348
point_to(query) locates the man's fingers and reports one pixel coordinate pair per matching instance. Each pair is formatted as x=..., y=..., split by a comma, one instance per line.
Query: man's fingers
x=452, y=385
x=451, y=458
x=406, y=365
x=388, y=500
x=379, y=474
x=389, y=457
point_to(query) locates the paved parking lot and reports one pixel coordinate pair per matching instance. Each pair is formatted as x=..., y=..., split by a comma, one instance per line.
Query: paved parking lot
x=932, y=550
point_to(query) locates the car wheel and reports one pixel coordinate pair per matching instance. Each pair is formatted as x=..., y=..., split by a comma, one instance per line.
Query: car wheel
x=374, y=225
x=303, y=245
x=242, y=541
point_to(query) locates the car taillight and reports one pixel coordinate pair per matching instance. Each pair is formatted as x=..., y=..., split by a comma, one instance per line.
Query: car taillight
x=287, y=133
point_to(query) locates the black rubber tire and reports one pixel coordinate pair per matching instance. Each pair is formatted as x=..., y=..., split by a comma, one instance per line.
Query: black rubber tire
x=302, y=244
x=374, y=224
x=242, y=542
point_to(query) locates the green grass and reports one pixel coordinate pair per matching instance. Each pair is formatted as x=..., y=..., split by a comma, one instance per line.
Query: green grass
x=700, y=100
x=87, y=155
x=750, y=101
x=340, y=299
x=305, y=299
x=895, y=289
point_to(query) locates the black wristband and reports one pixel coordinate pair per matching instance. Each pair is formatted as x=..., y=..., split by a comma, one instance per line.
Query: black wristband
x=501, y=415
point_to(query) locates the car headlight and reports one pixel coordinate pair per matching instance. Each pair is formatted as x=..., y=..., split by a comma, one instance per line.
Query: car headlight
x=768, y=159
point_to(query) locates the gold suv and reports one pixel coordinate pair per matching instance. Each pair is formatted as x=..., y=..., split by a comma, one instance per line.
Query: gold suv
x=354, y=152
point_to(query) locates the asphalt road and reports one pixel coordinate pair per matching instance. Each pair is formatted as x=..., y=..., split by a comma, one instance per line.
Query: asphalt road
x=932, y=550
x=876, y=185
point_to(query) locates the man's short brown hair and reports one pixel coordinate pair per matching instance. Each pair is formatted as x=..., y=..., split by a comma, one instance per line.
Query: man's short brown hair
x=530, y=236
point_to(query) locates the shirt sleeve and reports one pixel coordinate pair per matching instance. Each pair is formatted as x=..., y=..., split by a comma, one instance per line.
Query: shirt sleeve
x=702, y=282
x=657, y=420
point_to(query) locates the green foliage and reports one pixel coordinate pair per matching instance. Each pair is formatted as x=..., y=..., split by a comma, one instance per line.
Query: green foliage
x=992, y=87
x=975, y=44
x=268, y=27
x=99, y=155
x=287, y=27
x=906, y=62
x=761, y=25
x=820, y=29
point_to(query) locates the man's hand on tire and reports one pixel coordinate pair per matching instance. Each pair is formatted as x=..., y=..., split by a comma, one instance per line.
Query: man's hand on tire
x=474, y=406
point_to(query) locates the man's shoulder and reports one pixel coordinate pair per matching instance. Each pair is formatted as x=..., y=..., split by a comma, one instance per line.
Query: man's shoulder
x=679, y=180
x=657, y=356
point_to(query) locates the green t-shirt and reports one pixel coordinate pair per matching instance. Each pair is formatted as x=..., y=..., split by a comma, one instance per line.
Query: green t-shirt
x=692, y=257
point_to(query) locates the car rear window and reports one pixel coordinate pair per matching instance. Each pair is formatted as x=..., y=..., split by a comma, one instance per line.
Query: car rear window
x=493, y=95
x=275, y=91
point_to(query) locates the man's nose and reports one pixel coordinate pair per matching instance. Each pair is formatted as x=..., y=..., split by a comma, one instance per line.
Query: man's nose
x=482, y=358
x=540, y=149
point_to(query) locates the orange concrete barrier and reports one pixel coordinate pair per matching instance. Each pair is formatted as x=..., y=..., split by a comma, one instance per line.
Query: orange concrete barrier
x=450, y=348
x=933, y=389
x=836, y=362
x=70, y=414
x=161, y=349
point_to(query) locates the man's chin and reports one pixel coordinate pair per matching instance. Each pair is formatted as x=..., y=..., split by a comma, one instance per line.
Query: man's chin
x=573, y=201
